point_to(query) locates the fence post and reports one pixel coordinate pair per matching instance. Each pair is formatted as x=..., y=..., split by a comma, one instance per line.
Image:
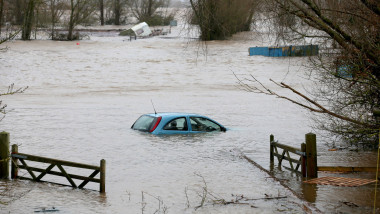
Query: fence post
x=271, y=139
x=311, y=155
x=303, y=160
x=4, y=155
x=102, y=176
x=14, y=168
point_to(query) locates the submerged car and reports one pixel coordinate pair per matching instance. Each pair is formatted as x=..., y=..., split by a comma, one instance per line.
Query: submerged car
x=176, y=123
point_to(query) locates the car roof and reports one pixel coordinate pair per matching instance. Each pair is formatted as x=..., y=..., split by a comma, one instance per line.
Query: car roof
x=173, y=114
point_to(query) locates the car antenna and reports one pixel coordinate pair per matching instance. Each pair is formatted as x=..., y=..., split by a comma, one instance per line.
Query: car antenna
x=153, y=106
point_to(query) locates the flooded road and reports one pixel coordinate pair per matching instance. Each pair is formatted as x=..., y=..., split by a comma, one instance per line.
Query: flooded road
x=83, y=98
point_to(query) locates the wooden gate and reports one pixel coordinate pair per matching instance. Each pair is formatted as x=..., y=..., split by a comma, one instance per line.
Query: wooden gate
x=22, y=158
x=307, y=155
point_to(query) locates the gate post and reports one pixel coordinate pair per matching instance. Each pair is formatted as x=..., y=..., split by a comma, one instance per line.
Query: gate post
x=271, y=139
x=14, y=168
x=311, y=155
x=4, y=155
x=102, y=176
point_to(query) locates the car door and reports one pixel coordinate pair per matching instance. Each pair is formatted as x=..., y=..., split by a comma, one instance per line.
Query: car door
x=177, y=125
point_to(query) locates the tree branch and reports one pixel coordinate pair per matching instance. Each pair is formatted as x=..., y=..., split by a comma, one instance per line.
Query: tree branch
x=318, y=107
x=372, y=6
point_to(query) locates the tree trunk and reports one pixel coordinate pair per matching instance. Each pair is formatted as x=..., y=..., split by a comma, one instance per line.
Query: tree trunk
x=117, y=12
x=18, y=12
x=28, y=21
x=71, y=22
x=150, y=5
x=247, y=24
x=1, y=14
x=52, y=11
x=101, y=7
x=36, y=24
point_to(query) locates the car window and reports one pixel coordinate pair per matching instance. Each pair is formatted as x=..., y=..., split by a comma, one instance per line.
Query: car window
x=203, y=124
x=179, y=124
x=143, y=123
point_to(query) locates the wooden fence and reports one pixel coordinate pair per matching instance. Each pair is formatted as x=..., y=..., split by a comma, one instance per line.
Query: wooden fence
x=23, y=158
x=307, y=155
x=307, y=161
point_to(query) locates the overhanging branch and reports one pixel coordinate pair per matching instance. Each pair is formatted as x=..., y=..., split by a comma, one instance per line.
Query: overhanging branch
x=310, y=104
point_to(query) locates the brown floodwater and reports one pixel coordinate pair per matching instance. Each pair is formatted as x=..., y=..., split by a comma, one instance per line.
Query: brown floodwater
x=83, y=97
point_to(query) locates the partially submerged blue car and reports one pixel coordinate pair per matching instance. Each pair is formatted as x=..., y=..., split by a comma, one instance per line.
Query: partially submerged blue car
x=176, y=123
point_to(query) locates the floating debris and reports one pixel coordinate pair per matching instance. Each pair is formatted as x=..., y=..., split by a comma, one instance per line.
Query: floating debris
x=142, y=30
x=46, y=210
x=292, y=50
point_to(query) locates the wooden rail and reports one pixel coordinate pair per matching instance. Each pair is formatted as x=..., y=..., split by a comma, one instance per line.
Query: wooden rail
x=347, y=169
x=22, y=158
x=307, y=155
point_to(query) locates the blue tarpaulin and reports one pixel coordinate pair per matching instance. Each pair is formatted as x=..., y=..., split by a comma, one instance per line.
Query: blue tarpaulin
x=298, y=50
x=344, y=71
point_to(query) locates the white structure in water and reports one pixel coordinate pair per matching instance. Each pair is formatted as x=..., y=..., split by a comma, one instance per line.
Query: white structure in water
x=141, y=29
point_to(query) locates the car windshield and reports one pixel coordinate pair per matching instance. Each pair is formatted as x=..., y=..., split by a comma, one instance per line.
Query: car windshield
x=203, y=124
x=143, y=123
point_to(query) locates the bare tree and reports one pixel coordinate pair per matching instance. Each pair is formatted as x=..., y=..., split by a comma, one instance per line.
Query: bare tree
x=28, y=20
x=10, y=91
x=221, y=19
x=9, y=34
x=348, y=73
x=148, y=11
x=12, y=11
x=101, y=10
x=80, y=10
x=56, y=8
x=1, y=14
x=141, y=9
x=18, y=9
x=109, y=10
x=8, y=38
x=117, y=11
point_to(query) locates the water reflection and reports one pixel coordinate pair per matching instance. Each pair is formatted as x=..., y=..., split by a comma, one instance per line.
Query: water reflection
x=309, y=191
x=340, y=198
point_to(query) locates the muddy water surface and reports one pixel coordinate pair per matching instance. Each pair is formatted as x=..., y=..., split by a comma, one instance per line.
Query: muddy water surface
x=83, y=98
